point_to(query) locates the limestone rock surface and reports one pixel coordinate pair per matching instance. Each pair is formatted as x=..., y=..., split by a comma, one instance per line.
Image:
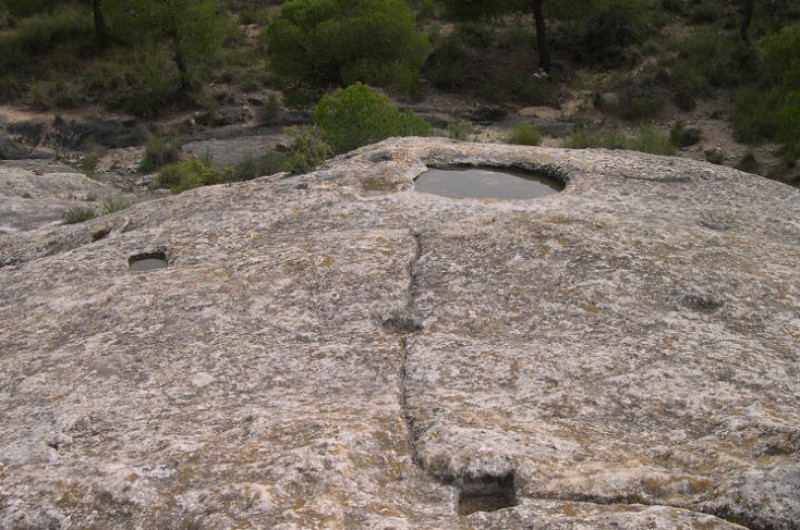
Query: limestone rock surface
x=335, y=350
x=37, y=196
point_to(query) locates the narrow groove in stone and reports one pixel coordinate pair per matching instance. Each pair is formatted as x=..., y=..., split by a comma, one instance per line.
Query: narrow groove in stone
x=403, y=382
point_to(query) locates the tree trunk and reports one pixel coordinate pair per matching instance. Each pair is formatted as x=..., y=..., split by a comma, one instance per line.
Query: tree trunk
x=747, y=17
x=100, y=31
x=541, y=34
x=180, y=62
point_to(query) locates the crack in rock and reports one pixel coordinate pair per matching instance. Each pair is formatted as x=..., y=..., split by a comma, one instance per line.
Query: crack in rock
x=414, y=327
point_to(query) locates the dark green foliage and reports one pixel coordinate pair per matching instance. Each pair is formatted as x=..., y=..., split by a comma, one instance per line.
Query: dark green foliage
x=160, y=150
x=785, y=170
x=467, y=10
x=315, y=44
x=749, y=163
x=706, y=60
x=525, y=134
x=357, y=115
x=182, y=176
x=26, y=8
x=704, y=12
x=600, y=32
x=782, y=69
x=61, y=94
x=673, y=6
x=78, y=214
x=755, y=118
x=197, y=172
x=10, y=88
x=681, y=137
x=722, y=60
x=649, y=139
x=114, y=205
x=715, y=156
x=66, y=25
x=446, y=64
x=644, y=108
x=190, y=28
x=646, y=139
x=309, y=149
x=142, y=82
x=251, y=168
x=771, y=109
x=586, y=139
x=460, y=130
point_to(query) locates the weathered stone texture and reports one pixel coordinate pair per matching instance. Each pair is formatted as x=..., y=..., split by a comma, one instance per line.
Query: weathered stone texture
x=33, y=198
x=336, y=351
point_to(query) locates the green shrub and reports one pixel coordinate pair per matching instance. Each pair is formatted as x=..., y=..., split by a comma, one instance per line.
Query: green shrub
x=715, y=156
x=782, y=71
x=704, y=12
x=673, y=6
x=26, y=8
x=721, y=59
x=44, y=31
x=749, y=163
x=770, y=109
x=585, y=139
x=649, y=139
x=680, y=136
x=525, y=134
x=358, y=115
x=308, y=150
x=188, y=174
x=603, y=31
x=644, y=108
x=88, y=164
x=251, y=168
x=160, y=150
x=63, y=94
x=755, y=117
x=517, y=34
x=785, y=170
x=139, y=81
x=114, y=205
x=314, y=44
x=459, y=130
x=78, y=214
x=646, y=139
x=446, y=66
x=476, y=34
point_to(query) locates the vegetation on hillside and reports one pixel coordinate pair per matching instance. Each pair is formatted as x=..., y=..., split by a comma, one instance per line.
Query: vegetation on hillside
x=151, y=57
x=318, y=44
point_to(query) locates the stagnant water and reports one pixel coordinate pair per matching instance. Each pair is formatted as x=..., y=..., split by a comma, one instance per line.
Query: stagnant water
x=486, y=183
x=148, y=262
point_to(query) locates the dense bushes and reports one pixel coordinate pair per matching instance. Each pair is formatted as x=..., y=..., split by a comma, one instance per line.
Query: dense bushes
x=346, y=119
x=770, y=109
x=646, y=139
x=358, y=115
x=309, y=149
x=182, y=176
x=196, y=172
x=66, y=25
x=704, y=61
x=525, y=134
x=315, y=44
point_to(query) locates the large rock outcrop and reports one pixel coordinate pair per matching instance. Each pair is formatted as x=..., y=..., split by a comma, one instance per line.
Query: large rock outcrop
x=335, y=350
x=35, y=194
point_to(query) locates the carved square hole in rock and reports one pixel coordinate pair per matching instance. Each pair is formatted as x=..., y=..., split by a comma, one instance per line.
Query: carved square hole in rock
x=148, y=261
x=487, y=493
